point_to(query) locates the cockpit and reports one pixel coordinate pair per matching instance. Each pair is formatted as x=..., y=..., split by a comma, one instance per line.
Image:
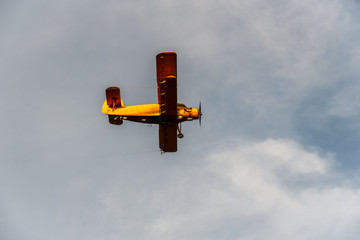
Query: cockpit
x=181, y=105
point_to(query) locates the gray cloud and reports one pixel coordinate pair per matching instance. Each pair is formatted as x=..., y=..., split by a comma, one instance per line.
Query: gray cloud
x=263, y=70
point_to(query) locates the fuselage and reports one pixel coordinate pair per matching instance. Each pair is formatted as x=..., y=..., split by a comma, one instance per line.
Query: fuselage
x=149, y=113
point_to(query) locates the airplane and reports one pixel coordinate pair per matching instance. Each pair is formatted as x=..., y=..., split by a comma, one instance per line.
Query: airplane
x=167, y=113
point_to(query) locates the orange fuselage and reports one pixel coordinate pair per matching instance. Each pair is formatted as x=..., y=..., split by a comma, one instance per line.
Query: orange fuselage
x=149, y=113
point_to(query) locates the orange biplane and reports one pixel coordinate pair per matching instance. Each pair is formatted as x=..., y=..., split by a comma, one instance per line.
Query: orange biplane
x=168, y=113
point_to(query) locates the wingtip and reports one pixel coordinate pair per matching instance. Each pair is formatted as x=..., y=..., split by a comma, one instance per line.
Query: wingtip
x=167, y=53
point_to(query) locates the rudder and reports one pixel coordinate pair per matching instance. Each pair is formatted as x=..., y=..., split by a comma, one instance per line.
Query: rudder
x=113, y=97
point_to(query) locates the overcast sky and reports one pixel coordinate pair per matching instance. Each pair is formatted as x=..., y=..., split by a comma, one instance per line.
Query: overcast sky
x=276, y=157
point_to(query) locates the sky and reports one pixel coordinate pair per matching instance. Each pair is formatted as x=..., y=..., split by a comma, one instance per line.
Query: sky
x=277, y=153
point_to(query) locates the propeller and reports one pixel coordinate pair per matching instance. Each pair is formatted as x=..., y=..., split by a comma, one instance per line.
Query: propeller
x=200, y=113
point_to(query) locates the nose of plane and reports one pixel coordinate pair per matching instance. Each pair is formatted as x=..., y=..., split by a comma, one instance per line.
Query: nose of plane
x=195, y=113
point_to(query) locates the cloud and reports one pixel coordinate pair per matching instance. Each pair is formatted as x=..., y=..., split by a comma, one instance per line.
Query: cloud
x=246, y=195
x=240, y=189
x=263, y=69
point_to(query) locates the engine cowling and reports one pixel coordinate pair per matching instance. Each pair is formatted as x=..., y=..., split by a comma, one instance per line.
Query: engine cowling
x=190, y=113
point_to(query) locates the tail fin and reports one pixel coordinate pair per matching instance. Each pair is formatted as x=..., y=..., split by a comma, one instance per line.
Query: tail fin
x=113, y=100
x=113, y=97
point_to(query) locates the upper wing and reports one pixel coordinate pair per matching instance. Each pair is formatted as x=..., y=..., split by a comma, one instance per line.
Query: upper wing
x=168, y=137
x=167, y=84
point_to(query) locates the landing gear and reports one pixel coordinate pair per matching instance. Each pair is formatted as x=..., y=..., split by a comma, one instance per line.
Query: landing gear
x=180, y=135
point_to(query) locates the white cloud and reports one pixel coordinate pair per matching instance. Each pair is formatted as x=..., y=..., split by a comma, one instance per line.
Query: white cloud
x=239, y=190
x=245, y=196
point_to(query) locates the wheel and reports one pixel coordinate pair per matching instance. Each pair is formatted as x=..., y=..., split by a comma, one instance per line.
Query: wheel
x=180, y=135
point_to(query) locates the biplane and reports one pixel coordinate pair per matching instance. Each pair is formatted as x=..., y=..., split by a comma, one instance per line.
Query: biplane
x=167, y=113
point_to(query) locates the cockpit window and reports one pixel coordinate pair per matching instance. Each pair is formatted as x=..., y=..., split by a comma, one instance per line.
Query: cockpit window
x=181, y=105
